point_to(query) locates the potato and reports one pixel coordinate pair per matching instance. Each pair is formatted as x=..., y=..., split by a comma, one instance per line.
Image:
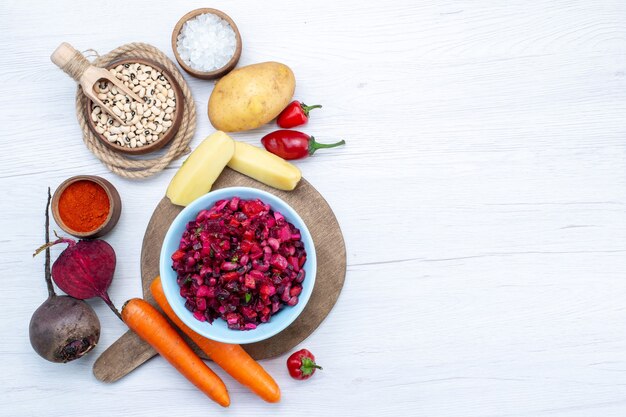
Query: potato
x=251, y=96
x=265, y=167
x=200, y=170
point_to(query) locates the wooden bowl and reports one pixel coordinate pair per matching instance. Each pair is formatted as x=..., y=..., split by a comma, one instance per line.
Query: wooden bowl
x=115, y=206
x=169, y=133
x=220, y=71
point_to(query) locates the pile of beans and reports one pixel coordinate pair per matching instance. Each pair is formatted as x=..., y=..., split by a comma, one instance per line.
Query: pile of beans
x=145, y=122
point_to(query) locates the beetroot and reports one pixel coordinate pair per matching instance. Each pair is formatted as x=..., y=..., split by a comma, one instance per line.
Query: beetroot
x=62, y=328
x=85, y=269
x=240, y=261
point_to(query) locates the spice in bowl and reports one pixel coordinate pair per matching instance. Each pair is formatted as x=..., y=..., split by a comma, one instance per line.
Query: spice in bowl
x=206, y=42
x=145, y=123
x=86, y=206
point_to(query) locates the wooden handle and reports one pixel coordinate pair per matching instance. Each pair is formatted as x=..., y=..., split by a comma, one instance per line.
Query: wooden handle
x=124, y=355
x=74, y=64
x=63, y=54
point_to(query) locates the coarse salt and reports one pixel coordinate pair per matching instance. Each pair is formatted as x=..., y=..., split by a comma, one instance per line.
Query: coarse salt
x=206, y=43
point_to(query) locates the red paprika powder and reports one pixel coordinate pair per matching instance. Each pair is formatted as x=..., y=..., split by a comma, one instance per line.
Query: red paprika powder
x=84, y=206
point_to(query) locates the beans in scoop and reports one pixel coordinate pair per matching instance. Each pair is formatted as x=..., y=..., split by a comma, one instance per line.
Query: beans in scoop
x=146, y=121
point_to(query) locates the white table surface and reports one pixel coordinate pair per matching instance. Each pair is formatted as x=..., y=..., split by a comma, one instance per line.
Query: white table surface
x=481, y=196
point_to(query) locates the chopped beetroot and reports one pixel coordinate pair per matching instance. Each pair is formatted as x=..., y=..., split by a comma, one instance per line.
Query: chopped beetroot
x=249, y=281
x=239, y=261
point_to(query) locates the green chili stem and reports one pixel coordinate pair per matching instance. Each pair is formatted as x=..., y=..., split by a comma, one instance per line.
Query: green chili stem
x=306, y=109
x=314, y=146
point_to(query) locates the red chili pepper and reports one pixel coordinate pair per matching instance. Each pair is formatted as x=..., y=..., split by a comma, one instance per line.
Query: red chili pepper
x=295, y=114
x=291, y=144
x=301, y=364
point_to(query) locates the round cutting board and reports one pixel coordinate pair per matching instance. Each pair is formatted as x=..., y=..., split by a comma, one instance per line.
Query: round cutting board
x=329, y=247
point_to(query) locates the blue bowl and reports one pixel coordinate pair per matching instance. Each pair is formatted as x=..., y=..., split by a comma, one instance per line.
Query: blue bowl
x=218, y=330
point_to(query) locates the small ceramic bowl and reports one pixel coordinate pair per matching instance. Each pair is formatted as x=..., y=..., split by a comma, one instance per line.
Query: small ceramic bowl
x=219, y=330
x=115, y=206
x=220, y=71
x=169, y=133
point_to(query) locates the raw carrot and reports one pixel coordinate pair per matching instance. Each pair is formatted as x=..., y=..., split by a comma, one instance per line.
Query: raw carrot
x=232, y=358
x=152, y=327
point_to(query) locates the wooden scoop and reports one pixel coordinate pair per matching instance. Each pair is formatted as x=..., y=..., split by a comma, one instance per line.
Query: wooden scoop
x=80, y=69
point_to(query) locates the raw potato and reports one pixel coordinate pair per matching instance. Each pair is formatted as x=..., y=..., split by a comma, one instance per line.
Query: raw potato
x=198, y=173
x=251, y=96
x=265, y=167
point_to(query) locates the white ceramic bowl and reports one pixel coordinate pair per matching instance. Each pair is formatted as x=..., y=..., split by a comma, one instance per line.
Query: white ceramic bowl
x=218, y=330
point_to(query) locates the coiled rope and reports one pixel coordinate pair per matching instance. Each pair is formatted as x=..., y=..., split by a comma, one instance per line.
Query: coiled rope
x=120, y=164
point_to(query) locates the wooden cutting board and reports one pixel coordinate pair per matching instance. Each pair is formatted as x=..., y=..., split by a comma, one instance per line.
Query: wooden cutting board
x=129, y=351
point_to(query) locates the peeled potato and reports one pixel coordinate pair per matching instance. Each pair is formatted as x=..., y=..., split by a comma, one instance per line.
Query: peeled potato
x=251, y=96
x=198, y=173
x=265, y=167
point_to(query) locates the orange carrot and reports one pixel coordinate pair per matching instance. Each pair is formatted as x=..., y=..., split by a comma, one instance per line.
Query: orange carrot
x=152, y=327
x=232, y=358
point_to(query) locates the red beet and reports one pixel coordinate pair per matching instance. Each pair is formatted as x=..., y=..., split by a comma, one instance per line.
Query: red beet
x=62, y=328
x=85, y=269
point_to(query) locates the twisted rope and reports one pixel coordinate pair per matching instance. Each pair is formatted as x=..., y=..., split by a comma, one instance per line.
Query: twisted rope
x=75, y=66
x=121, y=164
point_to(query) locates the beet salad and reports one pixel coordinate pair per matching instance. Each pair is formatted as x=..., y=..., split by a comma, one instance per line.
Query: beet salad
x=241, y=261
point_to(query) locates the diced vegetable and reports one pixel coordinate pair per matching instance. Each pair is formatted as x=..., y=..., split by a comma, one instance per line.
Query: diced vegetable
x=239, y=261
